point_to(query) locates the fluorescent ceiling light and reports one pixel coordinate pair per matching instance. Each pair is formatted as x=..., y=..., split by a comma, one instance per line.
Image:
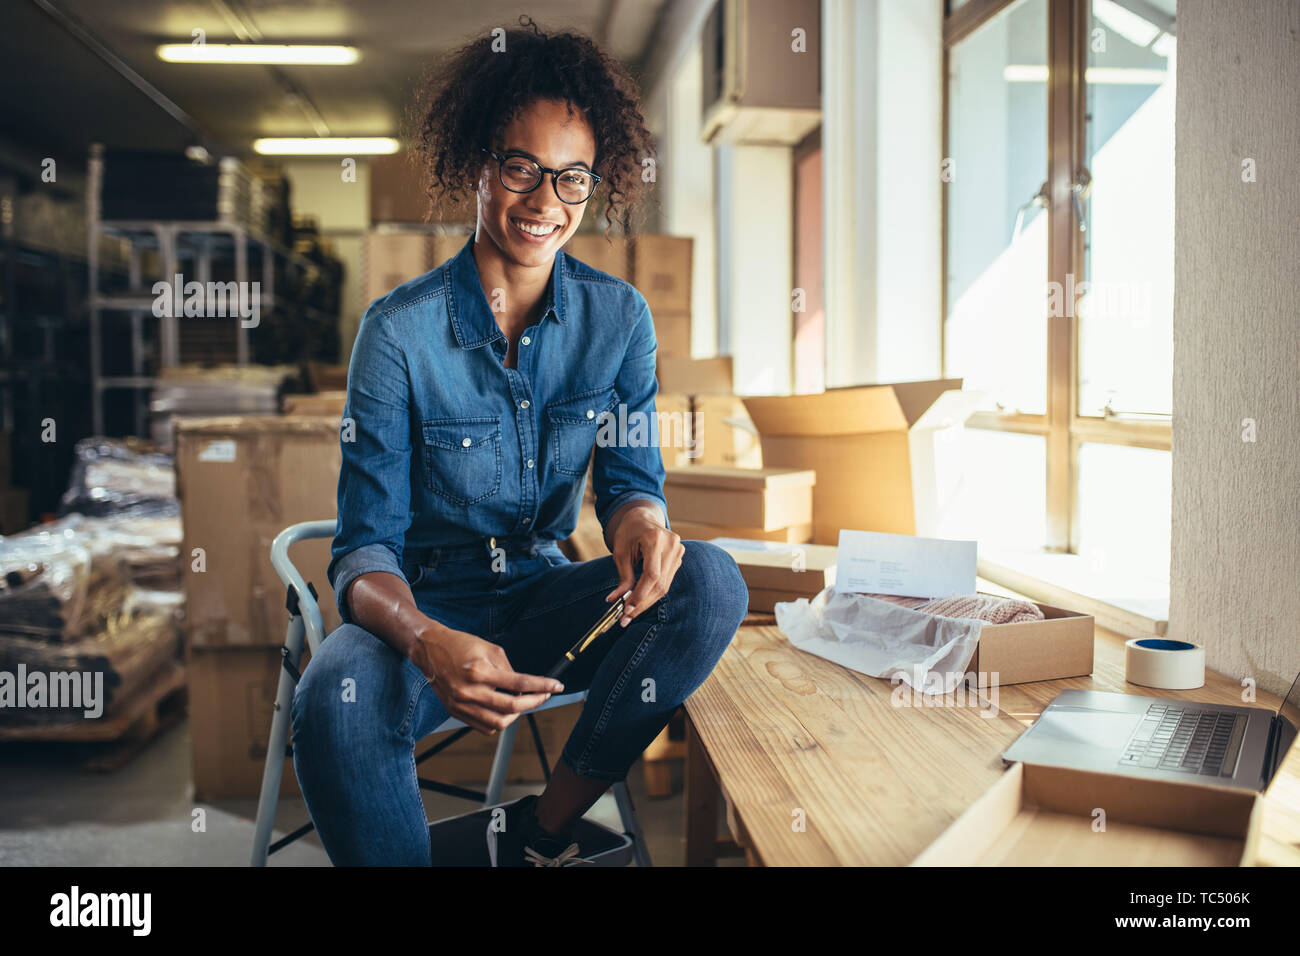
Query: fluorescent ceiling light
x=326, y=146
x=257, y=53
x=1117, y=75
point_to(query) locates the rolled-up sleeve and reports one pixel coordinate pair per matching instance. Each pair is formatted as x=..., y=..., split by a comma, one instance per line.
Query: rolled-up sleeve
x=374, y=480
x=632, y=468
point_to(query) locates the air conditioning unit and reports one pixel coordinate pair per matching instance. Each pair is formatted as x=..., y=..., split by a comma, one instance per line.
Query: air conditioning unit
x=757, y=88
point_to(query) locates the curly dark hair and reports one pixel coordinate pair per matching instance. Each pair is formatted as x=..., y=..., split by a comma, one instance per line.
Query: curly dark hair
x=471, y=95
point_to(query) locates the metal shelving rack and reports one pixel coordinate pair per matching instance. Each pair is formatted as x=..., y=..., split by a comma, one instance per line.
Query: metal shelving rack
x=175, y=241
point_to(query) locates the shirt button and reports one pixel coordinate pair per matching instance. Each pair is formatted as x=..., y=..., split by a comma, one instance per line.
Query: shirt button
x=527, y=520
x=525, y=341
x=590, y=413
x=466, y=442
x=530, y=463
x=524, y=403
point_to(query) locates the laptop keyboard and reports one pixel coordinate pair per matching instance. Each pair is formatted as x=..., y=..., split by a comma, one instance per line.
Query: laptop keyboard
x=1171, y=738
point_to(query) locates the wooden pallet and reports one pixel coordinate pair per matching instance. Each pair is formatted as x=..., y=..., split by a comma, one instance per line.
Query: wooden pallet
x=155, y=707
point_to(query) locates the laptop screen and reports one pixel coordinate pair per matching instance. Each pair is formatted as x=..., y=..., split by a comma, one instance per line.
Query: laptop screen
x=1287, y=725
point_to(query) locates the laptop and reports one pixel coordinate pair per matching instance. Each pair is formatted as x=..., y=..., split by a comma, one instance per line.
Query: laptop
x=1162, y=738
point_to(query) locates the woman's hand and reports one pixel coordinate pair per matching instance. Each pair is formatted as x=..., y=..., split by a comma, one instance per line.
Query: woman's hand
x=466, y=671
x=638, y=532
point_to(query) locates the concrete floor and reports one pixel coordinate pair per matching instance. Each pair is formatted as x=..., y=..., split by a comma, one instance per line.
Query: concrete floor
x=54, y=814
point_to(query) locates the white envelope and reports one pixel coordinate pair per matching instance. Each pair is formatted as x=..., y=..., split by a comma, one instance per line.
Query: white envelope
x=872, y=562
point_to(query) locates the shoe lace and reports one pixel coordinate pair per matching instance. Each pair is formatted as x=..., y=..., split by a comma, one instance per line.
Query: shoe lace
x=569, y=853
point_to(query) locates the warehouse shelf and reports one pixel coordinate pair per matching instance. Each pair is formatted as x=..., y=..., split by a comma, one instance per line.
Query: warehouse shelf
x=244, y=254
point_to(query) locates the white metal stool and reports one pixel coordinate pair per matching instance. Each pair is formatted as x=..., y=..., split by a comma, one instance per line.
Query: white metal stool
x=305, y=619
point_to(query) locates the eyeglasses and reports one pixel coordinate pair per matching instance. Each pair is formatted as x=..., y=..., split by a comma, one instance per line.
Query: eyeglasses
x=519, y=174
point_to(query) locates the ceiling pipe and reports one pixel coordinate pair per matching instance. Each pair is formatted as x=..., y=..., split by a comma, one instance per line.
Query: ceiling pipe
x=114, y=60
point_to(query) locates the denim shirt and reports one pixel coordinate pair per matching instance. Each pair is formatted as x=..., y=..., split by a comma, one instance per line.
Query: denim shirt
x=444, y=446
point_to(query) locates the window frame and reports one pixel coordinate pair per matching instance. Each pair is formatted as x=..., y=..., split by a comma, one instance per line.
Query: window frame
x=1063, y=429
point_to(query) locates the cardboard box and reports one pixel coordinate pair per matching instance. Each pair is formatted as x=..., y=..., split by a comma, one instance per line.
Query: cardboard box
x=397, y=195
x=875, y=450
x=329, y=404
x=673, y=333
x=775, y=572
x=768, y=498
x=792, y=534
x=706, y=376
x=242, y=480
x=1059, y=646
x=724, y=433
x=389, y=258
x=231, y=703
x=661, y=270
x=676, y=429
x=1044, y=816
x=612, y=255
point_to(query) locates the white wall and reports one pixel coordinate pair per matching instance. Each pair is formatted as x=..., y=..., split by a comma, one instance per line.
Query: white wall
x=755, y=275
x=1236, y=516
x=343, y=210
x=882, y=135
x=689, y=204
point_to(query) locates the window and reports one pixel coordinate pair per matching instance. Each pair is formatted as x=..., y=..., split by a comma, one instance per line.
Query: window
x=1058, y=271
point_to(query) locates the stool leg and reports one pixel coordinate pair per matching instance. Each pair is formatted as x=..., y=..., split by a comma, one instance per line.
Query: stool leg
x=276, y=746
x=501, y=764
x=631, y=826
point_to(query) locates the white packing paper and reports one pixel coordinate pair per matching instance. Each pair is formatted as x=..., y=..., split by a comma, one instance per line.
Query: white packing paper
x=881, y=639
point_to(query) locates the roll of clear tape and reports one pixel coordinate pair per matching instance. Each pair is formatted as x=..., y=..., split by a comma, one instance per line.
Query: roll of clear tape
x=1162, y=663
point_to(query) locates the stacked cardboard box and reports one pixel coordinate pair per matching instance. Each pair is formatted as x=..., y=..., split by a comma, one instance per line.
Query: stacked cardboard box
x=659, y=267
x=391, y=257
x=781, y=572
x=397, y=195
x=661, y=270
x=754, y=502
x=676, y=428
x=721, y=430
x=611, y=254
x=241, y=481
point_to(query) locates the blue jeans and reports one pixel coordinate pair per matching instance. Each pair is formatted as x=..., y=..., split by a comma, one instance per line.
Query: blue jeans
x=355, y=758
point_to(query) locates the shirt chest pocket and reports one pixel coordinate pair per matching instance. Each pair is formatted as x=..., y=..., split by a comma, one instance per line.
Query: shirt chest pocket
x=462, y=458
x=576, y=423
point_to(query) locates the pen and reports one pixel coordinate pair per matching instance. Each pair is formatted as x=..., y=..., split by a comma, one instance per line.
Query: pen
x=607, y=621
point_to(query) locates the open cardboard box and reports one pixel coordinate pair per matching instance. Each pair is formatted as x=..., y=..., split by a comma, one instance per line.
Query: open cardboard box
x=1048, y=816
x=1058, y=646
x=883, y=454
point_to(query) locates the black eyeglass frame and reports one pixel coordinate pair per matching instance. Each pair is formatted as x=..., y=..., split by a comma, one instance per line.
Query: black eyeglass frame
x=555, y=176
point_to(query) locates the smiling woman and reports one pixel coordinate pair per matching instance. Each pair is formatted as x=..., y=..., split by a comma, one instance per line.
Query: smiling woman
x=478, y=394
x=471, y=96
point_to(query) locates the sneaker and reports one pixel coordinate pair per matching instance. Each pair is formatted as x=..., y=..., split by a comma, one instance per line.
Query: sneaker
x=524, y=843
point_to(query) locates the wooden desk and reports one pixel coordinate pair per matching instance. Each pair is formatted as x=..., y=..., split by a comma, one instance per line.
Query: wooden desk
x=788, y=739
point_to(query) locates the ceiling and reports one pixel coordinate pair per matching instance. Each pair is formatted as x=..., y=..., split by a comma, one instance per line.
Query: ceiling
x=59, y=93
